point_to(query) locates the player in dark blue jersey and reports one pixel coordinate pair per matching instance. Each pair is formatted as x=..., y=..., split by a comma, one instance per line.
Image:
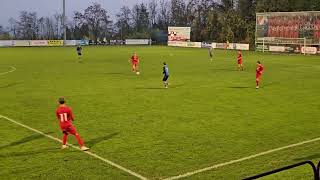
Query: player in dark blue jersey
x=79, y=52
x=165, y=75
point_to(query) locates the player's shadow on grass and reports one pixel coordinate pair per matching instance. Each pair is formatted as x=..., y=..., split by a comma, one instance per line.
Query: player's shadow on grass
x=239, y=87
x=161, y=87
x=9, y=85
x=223, y=69
x=155, y=88
x=311, y=157
x=30, y=153
x=175, y=85
x=95, y=141
x=270, y=84
x=24, y=140
x=114, y=73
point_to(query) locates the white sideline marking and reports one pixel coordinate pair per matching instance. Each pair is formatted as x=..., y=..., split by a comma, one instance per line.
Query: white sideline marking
x=75, y=147
x=240, y=160
x=12, y=70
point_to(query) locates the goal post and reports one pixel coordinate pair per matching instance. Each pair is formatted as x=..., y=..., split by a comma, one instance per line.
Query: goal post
x=276, y=44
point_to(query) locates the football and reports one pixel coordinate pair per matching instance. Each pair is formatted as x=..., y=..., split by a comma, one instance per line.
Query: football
x=137, y=73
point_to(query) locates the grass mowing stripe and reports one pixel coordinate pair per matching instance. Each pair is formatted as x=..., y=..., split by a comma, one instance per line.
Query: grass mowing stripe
x=75, y=147
x=241, y=159
x=12, y=70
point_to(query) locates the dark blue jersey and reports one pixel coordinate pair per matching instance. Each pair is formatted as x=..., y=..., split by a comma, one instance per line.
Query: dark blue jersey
x=79, y=49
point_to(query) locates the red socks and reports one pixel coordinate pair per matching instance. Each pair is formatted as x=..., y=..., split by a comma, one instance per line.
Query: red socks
x=65, y=137
x=64, y=140
x=80, y=142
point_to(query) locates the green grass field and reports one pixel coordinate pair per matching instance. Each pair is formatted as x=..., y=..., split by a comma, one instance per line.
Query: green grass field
x=210, y=114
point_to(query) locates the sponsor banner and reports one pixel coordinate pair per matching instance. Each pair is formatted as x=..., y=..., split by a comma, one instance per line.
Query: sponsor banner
x=206, y=45
x=177, y=43
x=260, y=48
x=39, y=43
x=70, y=42
x=116, y=42
x=21, y=43
x=277, y=48
x=184, y=44
x=220, y=45
x=55, y=42
x=289, y=49
x=137, y=41
x=179, y=33
x=309, y=50
x=6, y=43
x=244, y=47
x=214, y=45
x=194, y=44
x=231, y=46
x=82, y=42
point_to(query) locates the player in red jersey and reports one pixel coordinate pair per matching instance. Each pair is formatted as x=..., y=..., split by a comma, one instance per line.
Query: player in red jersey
x=259, y=71
x=135, y=63
x=65, y=116
x=240, y=61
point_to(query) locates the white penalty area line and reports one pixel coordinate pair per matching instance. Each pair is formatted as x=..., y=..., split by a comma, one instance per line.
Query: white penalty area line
x=75, y=147
x=240, y=160
x=12, y=70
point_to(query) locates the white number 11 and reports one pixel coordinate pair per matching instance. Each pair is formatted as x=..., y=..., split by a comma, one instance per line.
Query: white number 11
x=63, y=117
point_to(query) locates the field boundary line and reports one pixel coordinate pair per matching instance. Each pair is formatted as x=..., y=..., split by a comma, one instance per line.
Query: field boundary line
x=75, y=147
x=12, y=70
x=191, y=173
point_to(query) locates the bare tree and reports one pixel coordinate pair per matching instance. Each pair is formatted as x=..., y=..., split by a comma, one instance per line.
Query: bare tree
x=41, y=26
x=27, y=27
x=49, y=25
x=58, y=25
x=123, y=23
x=13, y=27
x=97, y=20
x=152, y=8
x=164, y=14
x=140, y=17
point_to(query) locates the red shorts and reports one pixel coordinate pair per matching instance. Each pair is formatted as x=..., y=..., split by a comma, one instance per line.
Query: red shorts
x=258, y=76
x=239, y=62
x=69, y=130
x=134, y=63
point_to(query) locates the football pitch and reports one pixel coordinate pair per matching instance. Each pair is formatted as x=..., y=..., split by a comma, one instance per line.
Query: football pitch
x=210, y=116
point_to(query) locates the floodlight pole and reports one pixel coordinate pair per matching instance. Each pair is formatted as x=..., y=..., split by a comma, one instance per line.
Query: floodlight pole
x=64, y=21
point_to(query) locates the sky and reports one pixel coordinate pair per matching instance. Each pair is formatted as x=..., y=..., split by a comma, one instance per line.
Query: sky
x=11, y=8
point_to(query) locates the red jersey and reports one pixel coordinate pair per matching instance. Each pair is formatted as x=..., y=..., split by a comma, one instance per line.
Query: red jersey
x=239, y=58
x=134, y=59
x=65, y=116
x=259, y=69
